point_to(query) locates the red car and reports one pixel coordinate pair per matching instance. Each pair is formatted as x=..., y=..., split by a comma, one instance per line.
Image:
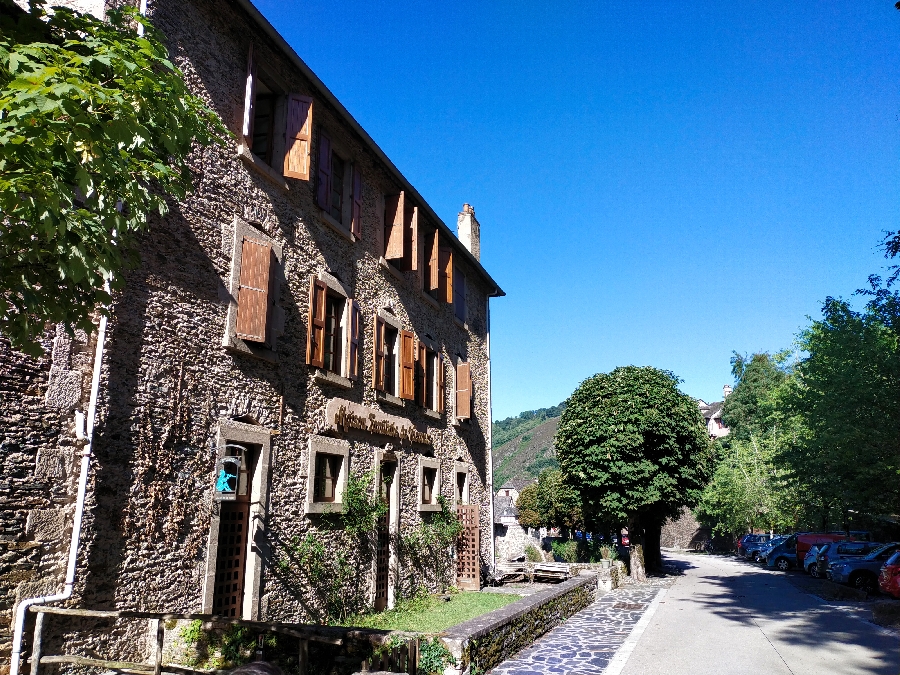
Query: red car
x=889, y=579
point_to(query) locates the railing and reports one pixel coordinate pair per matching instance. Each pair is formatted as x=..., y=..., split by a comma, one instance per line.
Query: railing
x=400, y=656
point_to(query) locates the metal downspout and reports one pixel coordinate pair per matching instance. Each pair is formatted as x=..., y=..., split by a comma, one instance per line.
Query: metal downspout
x=74, y=543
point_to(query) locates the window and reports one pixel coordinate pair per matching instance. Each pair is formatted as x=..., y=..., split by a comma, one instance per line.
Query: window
x=430, y=264
x=429, y=484
x=463, y=391
x=254, y=320
x=390, y=360
x=276, y=126
x=339, y=188
x=328, y=468
x=461, y=486
x=429, y=377
x=459, y=295
x=332, y=341
x=327, y=474
x=401, y=233
x=394, y=358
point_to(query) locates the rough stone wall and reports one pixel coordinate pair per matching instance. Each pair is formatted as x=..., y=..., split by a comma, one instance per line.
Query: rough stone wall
x=167, y=380
x=510, y=541
x=683, y=532
x=487, y=640
x=39, y=459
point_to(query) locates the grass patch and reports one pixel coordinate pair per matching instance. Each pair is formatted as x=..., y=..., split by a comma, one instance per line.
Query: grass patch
x=432, y=614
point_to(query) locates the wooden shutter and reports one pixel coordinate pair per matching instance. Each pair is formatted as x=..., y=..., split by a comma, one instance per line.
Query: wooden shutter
x=379, y=224
x=249, y=101
x=459, y=294
x=323, y=190
x=411, y=239
x=298, y=136
x=356, y=217
x=394, y=208
x=378, y=354
x=445, y=275
x=315, y=336
x=433, y=265
x=407, y=365
x=422, y=373
x=463, y=391
x=353, y=320
x=440, y=384
x=253, y=291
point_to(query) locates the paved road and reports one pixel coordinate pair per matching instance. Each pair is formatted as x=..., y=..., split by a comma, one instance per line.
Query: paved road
x=725, y=617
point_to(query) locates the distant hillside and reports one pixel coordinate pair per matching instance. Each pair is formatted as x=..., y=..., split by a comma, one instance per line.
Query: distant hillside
x=523, y=445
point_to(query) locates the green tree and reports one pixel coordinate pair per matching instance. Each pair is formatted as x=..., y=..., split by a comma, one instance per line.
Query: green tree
x=636, y=449
x=848, y=395
x=550, y=502
x=96, y=125
x=751, y=408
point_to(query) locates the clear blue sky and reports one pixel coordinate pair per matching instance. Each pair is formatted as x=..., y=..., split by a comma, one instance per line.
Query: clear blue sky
x=657, y=184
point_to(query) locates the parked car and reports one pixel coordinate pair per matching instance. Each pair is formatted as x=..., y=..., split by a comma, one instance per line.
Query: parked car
x=863, y=572
x=784, y=556
x=809, y=562
x=807, y=540
x=757, y=552
x=836, y=551
x=889, y=577
x=751, y=541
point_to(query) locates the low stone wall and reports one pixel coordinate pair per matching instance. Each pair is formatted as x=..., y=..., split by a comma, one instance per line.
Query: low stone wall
x=491, y=638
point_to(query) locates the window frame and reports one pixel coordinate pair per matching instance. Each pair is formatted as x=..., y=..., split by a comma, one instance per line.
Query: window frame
x=230, y=340
x=460, y=308
x=429, y=463
x=393, y=323
x=349, y=225
x=323, y=445
x=461, y=468
x=336, y=289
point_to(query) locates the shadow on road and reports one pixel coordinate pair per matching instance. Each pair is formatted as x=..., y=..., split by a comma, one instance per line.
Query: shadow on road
x=750, y=595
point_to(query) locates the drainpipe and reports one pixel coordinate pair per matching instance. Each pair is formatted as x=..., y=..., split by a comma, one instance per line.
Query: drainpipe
x=490, y=440
x=22, y=609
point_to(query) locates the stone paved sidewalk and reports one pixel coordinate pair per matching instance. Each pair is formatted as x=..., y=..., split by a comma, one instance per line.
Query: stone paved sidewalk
x=588, y=640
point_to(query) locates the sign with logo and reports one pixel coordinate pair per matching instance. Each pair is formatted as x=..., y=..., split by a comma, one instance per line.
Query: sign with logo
x=346, y=416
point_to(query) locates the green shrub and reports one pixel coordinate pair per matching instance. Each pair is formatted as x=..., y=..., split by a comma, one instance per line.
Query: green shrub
x=433, y=657
x=567, y=550
x=532, y=554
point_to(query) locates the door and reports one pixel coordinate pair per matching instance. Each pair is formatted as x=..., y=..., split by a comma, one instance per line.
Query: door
x=468, y=549
x=234, y=535
x=383, y=543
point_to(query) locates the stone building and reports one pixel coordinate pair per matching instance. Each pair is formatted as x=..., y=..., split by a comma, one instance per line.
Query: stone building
x=712, y=415
x=301, y=321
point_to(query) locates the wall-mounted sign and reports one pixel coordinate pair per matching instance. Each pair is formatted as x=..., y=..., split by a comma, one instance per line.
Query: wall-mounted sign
x=227, y=470
x=346, y=415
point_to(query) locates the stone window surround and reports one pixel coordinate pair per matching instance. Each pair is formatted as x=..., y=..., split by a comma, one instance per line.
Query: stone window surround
x=329, y=446
x=347, y=189
x=430, y=463
x=431, y=345
x=230, y=340
x=322, y=376
x=230, y=431
x=393, y=321
x=393, y=521
x=461, y=467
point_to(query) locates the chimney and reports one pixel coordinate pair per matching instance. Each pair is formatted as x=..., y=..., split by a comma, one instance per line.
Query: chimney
x=725, y=391
x=469, y=231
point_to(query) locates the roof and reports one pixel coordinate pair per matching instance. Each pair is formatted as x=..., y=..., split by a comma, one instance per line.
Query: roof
x=517, y=484
x=712, y=410
x=504, y=507
x=289, y=52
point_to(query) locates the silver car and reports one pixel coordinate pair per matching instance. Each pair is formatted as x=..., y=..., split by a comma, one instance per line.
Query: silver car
x=809, y=562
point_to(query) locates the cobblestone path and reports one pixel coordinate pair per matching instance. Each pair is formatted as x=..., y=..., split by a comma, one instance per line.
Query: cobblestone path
x=587, y=641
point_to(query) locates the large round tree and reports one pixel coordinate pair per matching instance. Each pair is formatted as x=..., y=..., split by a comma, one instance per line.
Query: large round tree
x=637, y=451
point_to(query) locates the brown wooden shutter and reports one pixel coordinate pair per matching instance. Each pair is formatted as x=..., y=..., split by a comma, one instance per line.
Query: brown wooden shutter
x=353, y=315
x=253, y=291
x=463, y=391
x=249, y=101
x=298, y=136
x=440, y=384
x=433, y=265
x=407, y=365
x=315, y=336
x=356, y=217
x=394, y=208
x=422, y=373
x=378, y=354
x=323, y=190
x=445, y=276
x=411, y=239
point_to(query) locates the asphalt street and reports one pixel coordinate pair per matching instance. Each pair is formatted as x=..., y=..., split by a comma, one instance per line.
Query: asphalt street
x=726, y=617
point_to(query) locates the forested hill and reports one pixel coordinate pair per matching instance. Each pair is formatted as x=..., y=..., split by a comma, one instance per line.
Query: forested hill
x=523, y=445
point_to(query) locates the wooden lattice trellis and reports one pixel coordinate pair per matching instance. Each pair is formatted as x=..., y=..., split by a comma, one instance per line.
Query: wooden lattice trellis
x=468, y=546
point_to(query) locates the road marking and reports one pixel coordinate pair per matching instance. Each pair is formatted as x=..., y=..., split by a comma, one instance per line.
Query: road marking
x=620, y=658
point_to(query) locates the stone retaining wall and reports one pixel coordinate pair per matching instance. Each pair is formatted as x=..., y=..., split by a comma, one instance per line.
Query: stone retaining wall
x=491, y=638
